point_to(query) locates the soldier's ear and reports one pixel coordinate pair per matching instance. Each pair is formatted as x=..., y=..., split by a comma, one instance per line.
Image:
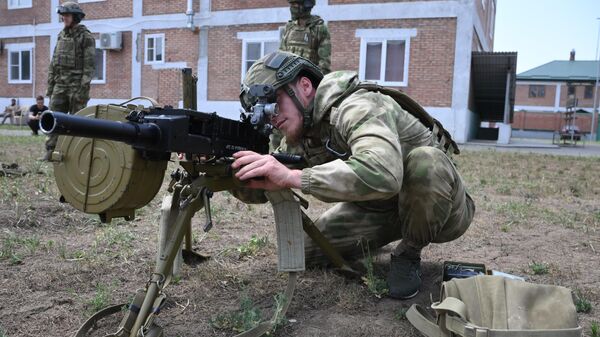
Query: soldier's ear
x=306, y=85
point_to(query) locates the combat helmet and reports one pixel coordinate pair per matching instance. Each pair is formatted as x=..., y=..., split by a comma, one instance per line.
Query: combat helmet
x=71, y=7
x=304, y=10
x=277, y=70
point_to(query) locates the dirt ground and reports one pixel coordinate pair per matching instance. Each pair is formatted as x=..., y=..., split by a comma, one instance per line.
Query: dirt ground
x=537, y=216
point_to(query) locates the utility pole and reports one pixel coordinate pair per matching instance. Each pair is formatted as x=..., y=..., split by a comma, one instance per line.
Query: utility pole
x=595, y=110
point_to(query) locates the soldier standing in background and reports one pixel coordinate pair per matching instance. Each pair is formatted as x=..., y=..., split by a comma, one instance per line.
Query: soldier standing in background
x=72, y=67
x=305, y=35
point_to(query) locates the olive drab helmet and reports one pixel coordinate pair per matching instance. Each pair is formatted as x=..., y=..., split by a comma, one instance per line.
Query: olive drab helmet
x=303, y=11
x=277, y=70
x=71, y=7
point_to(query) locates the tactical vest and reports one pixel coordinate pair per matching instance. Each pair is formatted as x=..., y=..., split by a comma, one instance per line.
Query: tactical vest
x=303, y=41
x=68, y=54
x=325, y=143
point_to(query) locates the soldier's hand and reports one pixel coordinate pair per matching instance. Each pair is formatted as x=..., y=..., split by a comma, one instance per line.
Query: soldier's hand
x=275, y=175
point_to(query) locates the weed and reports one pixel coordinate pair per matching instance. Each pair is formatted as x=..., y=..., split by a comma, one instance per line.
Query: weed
x=8, y=247
x=401, y=313
x=279, y=319
x=176, y=279
x=503, y=189
x=115, y=236
x=15, y=259
x=595, y=329
x=582, y=304
x=244, y=319
x=32, y=243
x=376, y=285
x=62, y=250
x=100, y=300
x=3, y=332
x=517, y=211
x=253, y=246
x=539, y=268
x=12, y=243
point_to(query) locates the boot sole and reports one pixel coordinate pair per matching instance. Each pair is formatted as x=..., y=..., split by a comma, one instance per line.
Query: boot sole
x=405, y=297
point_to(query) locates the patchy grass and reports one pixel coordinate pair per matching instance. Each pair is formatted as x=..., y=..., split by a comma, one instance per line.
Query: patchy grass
x=582, y=303
x=595, y=329
x=252, y=247
x=247, y=317
x=401, y=313
x=100, y=300
x=539, y=268
x=376, y=285
x=14, y=248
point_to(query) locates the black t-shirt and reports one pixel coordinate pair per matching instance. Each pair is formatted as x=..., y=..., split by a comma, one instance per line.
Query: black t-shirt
x=35, y=110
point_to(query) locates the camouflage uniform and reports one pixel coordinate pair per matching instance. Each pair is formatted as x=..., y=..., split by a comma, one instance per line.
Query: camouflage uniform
x=391, y=182
x=380, y=162
x=70, y=72
x=310, y=40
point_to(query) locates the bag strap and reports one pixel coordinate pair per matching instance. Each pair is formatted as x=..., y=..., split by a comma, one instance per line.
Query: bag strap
x=454, y=311
x=442, y=137
x=422, y=321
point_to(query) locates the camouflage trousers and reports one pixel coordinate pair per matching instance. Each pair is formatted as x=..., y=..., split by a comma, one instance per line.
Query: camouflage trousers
x=432, y=206
x=64, y=102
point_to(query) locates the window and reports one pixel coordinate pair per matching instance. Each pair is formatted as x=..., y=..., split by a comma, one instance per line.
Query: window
x=99, y=65
x=537, y=91
x=16, y=4
x=589, y=92
x=155, y=49
x=256, y=50
x=570, y=90
x=384, y=55
x=256, y=45
x=19, y=63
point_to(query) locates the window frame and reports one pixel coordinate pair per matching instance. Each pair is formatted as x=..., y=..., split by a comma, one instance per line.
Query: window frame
x=20, y=6
x=154, y=36
x=591, y=91
x=19, y=48
x=491, y=19
x=537, y=92
x=261, y=37
x=383, y=36
x=103, y=80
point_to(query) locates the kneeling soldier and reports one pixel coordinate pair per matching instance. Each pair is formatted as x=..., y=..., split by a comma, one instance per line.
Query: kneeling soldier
x=363, y=150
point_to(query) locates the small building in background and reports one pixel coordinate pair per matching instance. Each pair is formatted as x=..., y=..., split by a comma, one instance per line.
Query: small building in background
x=544, y=93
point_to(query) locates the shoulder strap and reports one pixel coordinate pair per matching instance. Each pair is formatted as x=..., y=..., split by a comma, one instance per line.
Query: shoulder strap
x=443, y=138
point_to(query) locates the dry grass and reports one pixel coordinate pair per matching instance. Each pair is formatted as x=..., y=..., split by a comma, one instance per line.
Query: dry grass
x=57, y=265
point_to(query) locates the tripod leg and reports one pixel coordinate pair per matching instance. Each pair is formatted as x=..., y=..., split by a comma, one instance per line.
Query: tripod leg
x=168, y=212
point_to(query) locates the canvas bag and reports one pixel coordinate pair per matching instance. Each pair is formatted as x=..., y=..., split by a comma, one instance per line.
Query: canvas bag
x=494, y=306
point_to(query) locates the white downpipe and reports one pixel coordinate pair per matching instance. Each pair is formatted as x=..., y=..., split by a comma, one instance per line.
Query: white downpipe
x=190, y=14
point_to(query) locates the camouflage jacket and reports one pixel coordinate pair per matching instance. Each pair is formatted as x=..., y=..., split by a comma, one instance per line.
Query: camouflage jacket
x=310, y=41
x=72, y=65
x=358, y=143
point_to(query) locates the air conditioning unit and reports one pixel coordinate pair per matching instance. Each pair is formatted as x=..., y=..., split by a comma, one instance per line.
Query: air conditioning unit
x=112, y=40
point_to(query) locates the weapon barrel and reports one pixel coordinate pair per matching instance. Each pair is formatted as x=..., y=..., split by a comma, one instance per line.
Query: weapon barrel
x=58, y=123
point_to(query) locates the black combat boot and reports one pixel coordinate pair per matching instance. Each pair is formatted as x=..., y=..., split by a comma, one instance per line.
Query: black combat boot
x=404, y=279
